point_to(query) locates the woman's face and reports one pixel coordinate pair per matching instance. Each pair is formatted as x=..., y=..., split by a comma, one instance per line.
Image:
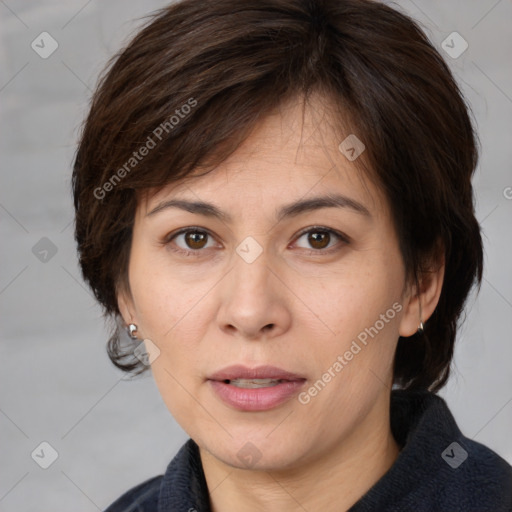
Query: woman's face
x=294, y=264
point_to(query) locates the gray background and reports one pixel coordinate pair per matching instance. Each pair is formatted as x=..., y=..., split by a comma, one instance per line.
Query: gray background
x=57, y=384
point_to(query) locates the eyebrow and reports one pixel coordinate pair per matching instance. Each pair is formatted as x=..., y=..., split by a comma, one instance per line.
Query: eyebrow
x=289, y=210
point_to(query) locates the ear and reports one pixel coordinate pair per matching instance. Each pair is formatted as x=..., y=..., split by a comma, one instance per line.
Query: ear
x=422, y=299
x=126, y=308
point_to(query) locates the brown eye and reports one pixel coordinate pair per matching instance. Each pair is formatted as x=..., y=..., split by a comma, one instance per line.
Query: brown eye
x=195, y=239
x=322, y=240
x=190, y=242
x=319, y=239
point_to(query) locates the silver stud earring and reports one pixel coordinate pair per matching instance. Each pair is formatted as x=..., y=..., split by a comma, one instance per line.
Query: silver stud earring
x=132, y=329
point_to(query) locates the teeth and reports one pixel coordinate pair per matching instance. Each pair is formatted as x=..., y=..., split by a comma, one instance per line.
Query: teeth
x=254, y=383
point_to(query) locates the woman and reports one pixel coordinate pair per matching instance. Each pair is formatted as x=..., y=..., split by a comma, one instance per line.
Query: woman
x=274, y=199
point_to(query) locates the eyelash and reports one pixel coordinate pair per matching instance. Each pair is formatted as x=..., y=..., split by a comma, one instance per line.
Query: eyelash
x=314, y=229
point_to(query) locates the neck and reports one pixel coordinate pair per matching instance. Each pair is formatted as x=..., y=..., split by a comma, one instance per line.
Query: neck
x=332, y=481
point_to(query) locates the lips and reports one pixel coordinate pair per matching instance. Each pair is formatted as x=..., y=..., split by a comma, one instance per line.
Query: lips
x=255, y=389
x=261, y=372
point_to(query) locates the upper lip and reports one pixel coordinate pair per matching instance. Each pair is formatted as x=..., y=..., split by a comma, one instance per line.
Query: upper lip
x=260, y=372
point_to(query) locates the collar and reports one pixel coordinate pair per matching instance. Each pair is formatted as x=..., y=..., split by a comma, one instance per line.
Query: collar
x=423, y=476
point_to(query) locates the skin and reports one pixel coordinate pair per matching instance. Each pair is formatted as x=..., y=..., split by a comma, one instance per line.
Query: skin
x=297, y=306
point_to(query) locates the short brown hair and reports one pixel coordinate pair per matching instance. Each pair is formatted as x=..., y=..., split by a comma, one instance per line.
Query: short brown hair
x=232, y=62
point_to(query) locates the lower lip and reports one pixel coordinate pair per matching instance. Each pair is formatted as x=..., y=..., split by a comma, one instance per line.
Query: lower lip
x=256, y=399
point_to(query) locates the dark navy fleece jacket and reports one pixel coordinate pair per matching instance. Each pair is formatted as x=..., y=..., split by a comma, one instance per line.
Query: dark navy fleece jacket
x=437, y=470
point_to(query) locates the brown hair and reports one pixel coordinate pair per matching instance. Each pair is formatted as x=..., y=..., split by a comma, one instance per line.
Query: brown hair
x=232, y=62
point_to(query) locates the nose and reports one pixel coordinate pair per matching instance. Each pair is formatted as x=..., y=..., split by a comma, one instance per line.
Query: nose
x=254, y=301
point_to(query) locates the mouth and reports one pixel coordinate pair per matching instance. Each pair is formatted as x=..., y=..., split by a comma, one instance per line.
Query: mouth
x=269, y=374
x=254, y=383
x=255, y=389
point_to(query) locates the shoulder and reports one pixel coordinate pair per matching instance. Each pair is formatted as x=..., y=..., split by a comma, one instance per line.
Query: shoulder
x=439, y=468
x=183, y=484
x=476, y=476
x=141, y=498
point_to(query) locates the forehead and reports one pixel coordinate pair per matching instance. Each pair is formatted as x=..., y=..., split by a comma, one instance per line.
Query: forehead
x=291, y=153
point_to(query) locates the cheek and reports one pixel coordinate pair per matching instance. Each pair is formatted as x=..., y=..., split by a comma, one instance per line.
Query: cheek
x=172, y=314
x=362, y=309
x=352, y=300
x=163, y=297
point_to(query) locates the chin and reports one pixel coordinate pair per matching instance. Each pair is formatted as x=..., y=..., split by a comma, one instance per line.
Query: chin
x=255, y=453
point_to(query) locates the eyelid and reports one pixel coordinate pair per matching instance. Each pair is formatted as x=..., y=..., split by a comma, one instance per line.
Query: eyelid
x=167, y=238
